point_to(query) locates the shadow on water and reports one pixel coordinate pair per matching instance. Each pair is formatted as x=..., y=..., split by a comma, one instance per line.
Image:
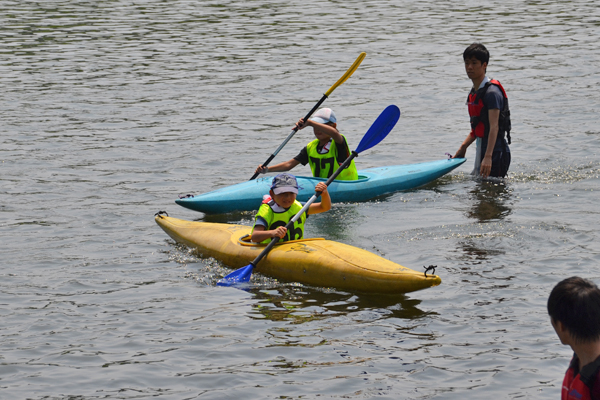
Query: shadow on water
x=300, y=304
x=235, y=217
x=490, y=202
x=440, y=183
x=437, y=185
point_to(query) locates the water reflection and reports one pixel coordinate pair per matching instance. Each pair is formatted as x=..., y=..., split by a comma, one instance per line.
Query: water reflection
x=491, y=201
x=474, y=254
x=299, y=304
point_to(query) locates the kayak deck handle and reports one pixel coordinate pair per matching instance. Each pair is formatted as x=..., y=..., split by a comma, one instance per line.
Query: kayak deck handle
x=430, y=268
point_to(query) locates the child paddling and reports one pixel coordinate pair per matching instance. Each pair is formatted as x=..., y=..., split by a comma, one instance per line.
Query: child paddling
x=278, y=209
x=324, y=154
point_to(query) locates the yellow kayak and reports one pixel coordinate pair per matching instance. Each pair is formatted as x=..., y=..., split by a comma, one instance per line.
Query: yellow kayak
x=316, y=261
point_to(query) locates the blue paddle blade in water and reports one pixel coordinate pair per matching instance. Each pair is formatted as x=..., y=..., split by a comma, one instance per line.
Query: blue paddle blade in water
x=380, y=128
x=241, y=275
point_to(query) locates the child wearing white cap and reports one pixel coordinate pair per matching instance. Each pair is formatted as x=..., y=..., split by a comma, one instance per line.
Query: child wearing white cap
x=324, y=154
x=277, y=210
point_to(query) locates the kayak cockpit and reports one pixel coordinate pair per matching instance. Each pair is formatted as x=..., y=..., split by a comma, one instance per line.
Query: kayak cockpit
x=245, y=241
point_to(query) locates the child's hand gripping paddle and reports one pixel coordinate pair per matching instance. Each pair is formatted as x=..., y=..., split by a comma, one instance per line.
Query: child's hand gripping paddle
x=376, y=133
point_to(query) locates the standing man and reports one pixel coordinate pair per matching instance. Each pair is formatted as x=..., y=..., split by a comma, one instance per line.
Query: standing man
x=490, y=117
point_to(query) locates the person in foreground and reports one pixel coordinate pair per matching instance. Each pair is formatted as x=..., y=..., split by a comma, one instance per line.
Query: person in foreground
x=324, y=154
x=277, y=210
x=490, y=117
x=574, y=309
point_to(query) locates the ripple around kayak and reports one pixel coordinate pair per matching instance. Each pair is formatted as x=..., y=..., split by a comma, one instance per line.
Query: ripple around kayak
x=316, y=262
x=372, y=182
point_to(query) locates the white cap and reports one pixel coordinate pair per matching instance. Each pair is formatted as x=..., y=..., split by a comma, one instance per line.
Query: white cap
x=324, y=115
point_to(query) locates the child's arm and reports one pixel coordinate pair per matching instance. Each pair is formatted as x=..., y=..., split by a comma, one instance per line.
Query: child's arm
x=281, y=167
x=324, y=205
x=261, y=234
x=329, y=130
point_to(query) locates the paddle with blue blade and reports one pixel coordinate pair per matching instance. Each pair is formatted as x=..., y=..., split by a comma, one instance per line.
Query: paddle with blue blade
x=343, y=79
x=376, y=133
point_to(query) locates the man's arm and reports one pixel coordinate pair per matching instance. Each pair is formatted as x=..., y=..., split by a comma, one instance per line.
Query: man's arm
x=486, y=163
x=462, y=150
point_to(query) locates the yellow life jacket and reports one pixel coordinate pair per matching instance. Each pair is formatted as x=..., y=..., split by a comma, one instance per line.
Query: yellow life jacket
x=324, y=165
x=276, y=219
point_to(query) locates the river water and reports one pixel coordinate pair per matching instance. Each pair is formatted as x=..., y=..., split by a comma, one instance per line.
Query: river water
x=111, y=109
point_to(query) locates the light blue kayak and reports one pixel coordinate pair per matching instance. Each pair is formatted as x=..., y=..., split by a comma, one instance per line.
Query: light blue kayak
x=372, y=182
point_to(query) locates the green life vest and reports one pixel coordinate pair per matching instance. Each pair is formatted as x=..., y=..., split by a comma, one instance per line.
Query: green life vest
x=276, y=219
x=324, y=165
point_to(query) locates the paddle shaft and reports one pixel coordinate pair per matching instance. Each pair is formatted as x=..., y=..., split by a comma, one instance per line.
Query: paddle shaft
x=343, y=79
x=292, y=133
x=304, y=209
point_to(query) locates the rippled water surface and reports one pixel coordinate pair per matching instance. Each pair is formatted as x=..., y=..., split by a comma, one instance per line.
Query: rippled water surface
x=111, y=109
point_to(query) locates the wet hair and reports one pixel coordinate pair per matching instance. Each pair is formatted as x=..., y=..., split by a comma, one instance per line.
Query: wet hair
x=478, y=51
x=575, y=302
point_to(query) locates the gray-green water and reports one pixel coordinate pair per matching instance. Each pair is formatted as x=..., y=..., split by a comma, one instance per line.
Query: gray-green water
x=111, y=109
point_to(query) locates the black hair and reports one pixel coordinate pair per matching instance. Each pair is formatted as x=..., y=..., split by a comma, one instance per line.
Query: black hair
x=478, y=51
x=575, y=302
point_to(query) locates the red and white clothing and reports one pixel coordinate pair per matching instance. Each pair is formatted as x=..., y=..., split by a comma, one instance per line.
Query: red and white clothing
x=584, y=384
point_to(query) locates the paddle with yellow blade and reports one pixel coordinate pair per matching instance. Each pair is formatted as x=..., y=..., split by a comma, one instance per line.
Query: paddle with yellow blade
x=327, y=93
x=376, y=133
